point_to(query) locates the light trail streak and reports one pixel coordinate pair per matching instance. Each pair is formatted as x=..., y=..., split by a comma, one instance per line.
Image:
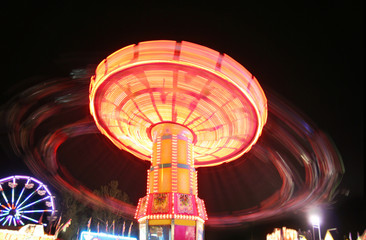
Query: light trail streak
x=299, y=162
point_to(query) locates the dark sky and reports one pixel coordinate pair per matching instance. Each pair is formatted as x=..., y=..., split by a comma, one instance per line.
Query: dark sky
x=310, y=52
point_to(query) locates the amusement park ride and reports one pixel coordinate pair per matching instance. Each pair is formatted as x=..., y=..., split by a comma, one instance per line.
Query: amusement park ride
x=25, y=202
x=181, y=106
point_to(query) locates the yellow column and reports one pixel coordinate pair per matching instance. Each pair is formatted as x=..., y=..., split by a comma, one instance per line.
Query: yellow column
x=172, y=168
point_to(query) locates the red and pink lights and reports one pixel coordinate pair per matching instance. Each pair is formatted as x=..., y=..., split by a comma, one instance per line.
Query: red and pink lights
x=179, y=105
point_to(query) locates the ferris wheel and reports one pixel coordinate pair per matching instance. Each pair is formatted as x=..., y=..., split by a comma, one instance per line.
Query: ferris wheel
x=25, y=200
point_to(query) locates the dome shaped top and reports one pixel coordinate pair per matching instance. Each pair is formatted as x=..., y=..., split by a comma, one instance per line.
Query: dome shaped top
x=152, y=82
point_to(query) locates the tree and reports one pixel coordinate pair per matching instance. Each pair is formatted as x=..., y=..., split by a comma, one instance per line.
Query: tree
x=80, y=213
x=71, y=208
x=102, y=215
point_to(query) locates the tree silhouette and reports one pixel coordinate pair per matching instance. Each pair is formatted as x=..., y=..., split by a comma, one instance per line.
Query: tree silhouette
x=80, y=213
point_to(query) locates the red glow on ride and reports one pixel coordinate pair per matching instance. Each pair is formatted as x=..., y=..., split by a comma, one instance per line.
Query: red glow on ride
x=188, y=84
x=179, y=105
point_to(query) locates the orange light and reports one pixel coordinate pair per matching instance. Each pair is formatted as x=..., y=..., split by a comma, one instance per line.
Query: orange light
x=209, y=93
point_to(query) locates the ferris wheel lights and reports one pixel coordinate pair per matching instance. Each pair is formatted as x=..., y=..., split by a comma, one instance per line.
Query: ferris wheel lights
x=25, y=204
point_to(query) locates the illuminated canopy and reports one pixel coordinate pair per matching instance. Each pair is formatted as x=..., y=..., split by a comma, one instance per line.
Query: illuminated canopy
x=152, y=82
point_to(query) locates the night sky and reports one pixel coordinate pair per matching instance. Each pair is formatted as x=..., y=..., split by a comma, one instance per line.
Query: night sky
x=309, y=53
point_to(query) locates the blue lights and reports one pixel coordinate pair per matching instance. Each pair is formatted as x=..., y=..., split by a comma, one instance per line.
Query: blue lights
x=102, y=236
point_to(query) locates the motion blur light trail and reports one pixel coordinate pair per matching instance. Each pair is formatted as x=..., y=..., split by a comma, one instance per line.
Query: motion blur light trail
x=38, y=126
x=293, y=165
